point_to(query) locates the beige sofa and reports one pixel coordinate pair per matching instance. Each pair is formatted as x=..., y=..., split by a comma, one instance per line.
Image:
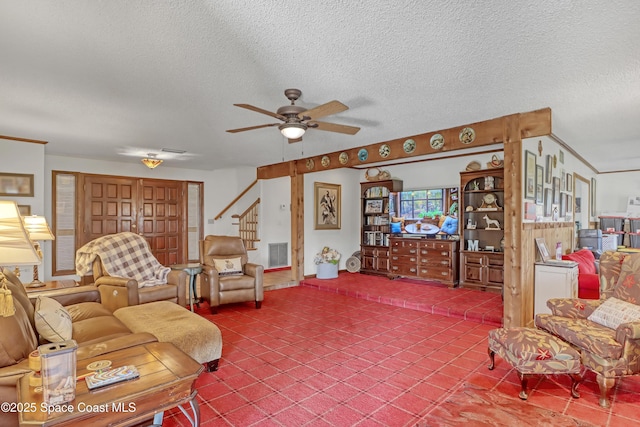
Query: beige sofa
x=95, y=329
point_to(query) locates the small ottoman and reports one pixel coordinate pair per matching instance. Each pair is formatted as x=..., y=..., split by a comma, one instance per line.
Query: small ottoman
x=532, y=351
x=169, y=322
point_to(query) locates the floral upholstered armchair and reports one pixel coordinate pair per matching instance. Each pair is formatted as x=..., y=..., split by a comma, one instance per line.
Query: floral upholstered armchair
x=605, y=331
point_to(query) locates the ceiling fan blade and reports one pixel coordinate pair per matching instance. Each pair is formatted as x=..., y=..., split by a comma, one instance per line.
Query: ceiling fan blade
x=252, y=128
x=332, y=127
x=260, y=110
x=331, y=107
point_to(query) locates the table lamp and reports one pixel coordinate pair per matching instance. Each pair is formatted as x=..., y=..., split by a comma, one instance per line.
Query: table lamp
x=38, y=230
x=16, y=248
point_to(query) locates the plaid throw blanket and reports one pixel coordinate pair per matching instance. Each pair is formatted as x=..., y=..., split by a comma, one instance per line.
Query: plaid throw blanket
x=123, y=255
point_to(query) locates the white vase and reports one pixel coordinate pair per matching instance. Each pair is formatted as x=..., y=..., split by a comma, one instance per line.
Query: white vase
x=327, y=270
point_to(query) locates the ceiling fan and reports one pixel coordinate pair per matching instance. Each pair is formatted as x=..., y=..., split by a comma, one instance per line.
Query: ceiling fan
x=297, y=119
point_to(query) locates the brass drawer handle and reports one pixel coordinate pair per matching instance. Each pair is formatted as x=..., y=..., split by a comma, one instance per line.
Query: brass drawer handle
x=444, y=262
x=445, y=273
x=413, y=270
x=445, y=253
x=412, y=251
x=395, y=258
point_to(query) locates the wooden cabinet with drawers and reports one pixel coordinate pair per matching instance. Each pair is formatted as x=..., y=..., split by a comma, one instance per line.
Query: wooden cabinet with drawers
x=482, y=270
x=427, y=259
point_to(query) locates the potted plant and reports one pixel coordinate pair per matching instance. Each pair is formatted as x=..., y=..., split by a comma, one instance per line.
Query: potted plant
x=327, y=261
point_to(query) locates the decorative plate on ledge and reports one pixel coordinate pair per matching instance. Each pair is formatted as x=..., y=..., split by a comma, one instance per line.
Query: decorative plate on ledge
x=409, y=146
x=467, y=135
x=437, y=141
x=325, y=161
x=384, y=151
x=310, y=164
x=344, y=158
x=363, y=155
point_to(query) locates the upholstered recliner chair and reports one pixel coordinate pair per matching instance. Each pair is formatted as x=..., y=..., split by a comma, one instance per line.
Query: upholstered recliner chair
x=126, y=272
x=605, y=331
x=227, y=276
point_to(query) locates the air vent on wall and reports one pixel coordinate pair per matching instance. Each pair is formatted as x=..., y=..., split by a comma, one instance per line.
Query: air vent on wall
x=278, y=255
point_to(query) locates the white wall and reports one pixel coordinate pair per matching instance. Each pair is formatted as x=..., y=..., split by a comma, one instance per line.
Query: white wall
x=28, y=158
x=613, y=191
x=274, y=218
x=443, y=173
x=347, y=239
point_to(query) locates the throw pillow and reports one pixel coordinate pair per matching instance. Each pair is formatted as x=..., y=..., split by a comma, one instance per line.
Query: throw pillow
x=629, y=289
x=614, y=312
x=228, y=266
x=399, y=219
x=396, y=227
x=53, y=321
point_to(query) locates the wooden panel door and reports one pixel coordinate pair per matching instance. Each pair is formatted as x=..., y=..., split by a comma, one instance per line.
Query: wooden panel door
x=110, y=206
x=162, y=209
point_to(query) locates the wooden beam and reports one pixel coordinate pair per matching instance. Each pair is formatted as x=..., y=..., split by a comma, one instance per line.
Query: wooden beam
x=488, y=132
x=297, y=225
x=535, y=123
x=13, y=138
x=512, y=291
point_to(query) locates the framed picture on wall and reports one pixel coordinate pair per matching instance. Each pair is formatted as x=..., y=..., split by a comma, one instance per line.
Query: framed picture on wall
x=569, y=182
x=327, y=203
x=556, y=190
x=529, y=175
x=548, y=201
x=16, y=184
x=539, y=184
x=548, y=169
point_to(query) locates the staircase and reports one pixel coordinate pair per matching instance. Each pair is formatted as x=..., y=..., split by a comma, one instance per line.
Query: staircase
x=248, y=226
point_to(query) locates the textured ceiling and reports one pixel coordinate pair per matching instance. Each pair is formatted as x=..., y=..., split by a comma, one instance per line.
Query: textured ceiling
x=116, y=79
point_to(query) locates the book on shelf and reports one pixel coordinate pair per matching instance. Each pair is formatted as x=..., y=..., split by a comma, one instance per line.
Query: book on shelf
x=375, y=238
x=377, y=192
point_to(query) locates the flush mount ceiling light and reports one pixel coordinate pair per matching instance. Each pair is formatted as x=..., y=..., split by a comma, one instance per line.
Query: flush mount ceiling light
x=151, y=162
x=293, y=130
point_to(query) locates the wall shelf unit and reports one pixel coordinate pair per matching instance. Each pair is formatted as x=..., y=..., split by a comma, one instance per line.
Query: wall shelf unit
x=482, y=225
x=375, y=227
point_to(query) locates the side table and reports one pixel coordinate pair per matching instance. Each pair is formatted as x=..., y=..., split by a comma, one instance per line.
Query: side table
x=192, y=269
x=53, y=284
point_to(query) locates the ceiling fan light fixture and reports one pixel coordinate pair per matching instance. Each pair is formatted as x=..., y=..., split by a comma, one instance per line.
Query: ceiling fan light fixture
x=292, y=130
x=151, y=162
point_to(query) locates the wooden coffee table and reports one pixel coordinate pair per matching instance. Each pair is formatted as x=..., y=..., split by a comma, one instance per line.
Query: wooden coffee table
x=167, y=379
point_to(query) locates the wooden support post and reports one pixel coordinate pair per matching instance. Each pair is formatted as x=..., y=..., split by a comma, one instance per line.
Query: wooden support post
x=512, y=291
x=297, y=224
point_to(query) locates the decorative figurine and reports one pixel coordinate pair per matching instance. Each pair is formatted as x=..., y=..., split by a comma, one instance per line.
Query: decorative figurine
x=488, y=183
x=492, y=224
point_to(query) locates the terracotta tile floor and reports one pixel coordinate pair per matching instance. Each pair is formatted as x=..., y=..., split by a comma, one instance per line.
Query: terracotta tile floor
x=312, y=358
x=430, y=297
